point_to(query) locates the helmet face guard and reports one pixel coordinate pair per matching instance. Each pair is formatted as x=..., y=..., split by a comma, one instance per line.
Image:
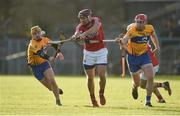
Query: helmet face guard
x=85, y=16
x=141, y=17
x=140, y=20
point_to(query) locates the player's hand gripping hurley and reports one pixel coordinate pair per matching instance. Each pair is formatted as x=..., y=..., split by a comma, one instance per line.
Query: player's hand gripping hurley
x=63, y=39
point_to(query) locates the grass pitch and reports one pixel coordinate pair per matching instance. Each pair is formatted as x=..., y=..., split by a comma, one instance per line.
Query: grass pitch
x=24, y=95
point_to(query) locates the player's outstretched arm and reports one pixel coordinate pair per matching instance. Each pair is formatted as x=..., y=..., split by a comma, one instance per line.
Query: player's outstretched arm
x=93, y=29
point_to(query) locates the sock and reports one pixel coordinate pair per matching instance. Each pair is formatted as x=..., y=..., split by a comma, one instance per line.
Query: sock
x=148, y=99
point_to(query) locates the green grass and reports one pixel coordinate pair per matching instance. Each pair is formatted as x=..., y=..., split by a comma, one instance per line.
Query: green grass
x=24, y=95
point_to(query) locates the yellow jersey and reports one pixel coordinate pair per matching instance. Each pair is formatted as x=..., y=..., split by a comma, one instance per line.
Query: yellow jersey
x=137, y=43
x=34, y=47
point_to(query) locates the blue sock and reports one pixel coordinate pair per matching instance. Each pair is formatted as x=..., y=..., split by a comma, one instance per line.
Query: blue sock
x=148, y=99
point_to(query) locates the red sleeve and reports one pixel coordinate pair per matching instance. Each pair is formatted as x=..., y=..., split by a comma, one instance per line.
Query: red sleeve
x=77, y=29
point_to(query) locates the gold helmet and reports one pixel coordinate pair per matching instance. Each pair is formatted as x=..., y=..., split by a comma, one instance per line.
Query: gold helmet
x=35, y=29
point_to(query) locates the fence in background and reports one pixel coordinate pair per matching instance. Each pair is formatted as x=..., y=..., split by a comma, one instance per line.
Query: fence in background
x=13, y=58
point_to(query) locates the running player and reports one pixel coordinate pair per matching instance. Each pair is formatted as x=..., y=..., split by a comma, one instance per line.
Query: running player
x=143, y=79
x=138, y=59
x=95, y=54
x=38, y=61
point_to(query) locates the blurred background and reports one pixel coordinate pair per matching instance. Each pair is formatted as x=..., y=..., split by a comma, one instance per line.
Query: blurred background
x=18, y=16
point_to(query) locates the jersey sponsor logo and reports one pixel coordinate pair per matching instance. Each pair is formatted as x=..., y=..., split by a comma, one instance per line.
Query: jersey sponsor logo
x=143, y=39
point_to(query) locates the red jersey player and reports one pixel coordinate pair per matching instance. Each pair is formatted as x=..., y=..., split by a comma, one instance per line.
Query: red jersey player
x=95, y=54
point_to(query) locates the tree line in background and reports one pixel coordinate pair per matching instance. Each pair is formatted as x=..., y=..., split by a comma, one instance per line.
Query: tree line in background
x=18, y=16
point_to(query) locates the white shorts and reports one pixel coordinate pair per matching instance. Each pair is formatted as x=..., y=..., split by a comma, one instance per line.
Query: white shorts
x=95, y=58
x=155, y=70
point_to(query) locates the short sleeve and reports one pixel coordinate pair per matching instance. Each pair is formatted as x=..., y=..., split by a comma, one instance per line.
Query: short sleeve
x=129, y=33
x=46, y=40
x=151, y=29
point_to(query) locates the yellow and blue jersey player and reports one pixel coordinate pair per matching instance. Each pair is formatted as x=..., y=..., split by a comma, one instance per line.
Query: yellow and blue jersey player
x=38, y=60
x=136, y=41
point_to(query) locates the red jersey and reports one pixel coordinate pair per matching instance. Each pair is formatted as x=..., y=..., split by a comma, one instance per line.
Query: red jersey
x=152, y=56
x=99, y=35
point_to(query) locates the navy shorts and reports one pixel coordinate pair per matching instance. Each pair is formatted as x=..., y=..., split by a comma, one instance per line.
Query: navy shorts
x=136, y=62
x=38, y=70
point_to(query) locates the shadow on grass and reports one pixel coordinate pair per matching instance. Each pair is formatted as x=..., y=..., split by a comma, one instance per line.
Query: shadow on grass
x=155, y=108
x=104, y=107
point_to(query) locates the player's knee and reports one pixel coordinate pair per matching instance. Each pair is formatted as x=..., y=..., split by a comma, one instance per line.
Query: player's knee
x=136, y=82
x=90, y=78
x=150, y=78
